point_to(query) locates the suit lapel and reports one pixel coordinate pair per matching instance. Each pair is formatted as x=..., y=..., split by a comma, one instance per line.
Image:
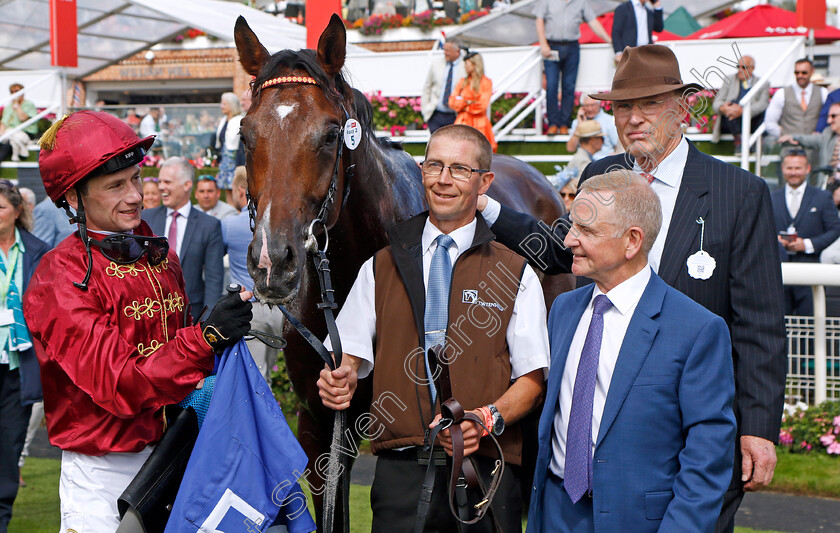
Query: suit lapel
x=690, y=206
x=637, y=343
x=780, y=210
x=804, y=205
x=192, y=222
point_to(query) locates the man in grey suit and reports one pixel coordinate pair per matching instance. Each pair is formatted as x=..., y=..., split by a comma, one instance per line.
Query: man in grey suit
x=444, y=73
x=726, y=103
x=195, y=236
x=825, y=142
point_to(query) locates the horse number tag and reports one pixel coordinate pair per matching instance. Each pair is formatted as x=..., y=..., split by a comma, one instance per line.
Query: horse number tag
x=352, y=133
x=701, y=265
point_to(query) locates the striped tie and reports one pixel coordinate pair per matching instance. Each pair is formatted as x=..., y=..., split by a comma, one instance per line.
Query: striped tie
x=437, y=300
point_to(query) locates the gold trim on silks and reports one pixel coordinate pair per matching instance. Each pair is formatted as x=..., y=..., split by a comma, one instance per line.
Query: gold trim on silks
x=136, y=309
x=173, y=302
x=119, y=271
x=146, y=351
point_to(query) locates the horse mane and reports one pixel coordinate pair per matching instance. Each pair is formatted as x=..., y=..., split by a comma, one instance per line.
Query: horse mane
x=335, y=89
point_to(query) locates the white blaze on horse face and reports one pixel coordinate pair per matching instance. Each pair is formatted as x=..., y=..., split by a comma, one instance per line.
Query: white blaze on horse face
x=265, y=262
x=283, y=110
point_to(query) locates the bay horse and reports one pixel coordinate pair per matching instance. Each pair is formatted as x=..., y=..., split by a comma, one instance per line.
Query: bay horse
x=292, y=135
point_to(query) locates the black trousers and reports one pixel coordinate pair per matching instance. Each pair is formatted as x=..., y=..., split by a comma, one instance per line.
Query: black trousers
x=396, y=491
x=14, y=418
x=439, y=120
x=734, y=126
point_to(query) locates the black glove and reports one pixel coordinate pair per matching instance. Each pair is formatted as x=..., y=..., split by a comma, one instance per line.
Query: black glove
x=228, y=322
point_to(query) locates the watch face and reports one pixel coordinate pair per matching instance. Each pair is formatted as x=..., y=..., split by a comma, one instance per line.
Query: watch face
x=498, y=425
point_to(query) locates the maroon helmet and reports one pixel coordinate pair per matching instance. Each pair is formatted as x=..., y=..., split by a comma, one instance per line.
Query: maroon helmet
x=87, y=144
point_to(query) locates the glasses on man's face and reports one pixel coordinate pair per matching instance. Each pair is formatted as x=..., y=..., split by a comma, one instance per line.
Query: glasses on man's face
x=569, y=195
x=207, y=177
x=147, y=180
x=458, y=172
x=801, y=72
x=648, y=107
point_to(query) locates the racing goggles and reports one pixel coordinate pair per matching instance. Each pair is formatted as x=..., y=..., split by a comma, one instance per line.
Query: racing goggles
x=125, y=249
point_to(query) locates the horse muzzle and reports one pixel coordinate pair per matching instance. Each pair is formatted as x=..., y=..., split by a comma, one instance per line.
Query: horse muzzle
x=276, y=267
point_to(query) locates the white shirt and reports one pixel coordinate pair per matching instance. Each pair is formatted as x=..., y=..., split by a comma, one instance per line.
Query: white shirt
x=774, y=109
x=790, y=202
x=624, y=297
x=184, y=212
x=666, y=186
x=641, y=23
x=526, y=334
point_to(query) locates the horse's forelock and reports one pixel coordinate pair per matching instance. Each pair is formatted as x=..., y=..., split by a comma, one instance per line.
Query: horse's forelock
x=336, y=89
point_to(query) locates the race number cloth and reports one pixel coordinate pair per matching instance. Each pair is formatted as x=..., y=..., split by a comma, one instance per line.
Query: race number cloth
x=245, y=462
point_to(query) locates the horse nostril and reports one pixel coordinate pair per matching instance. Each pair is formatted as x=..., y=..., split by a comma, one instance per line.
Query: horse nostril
x=289, y=256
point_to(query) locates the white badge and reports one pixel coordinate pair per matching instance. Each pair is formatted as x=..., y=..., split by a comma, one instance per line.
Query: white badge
x=700, y=265
x=352, y=133
x=7, y=318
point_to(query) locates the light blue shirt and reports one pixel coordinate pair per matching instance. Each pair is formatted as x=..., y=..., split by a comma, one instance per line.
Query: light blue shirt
x=236, y=234
x=607, y=123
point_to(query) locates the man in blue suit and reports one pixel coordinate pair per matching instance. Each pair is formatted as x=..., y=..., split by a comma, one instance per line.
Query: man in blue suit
x=634, y=24
x=637, y=433
x=195, y=236
x=807, y=222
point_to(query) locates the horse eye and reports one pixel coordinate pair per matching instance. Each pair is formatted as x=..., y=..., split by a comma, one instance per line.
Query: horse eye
x=331, y=137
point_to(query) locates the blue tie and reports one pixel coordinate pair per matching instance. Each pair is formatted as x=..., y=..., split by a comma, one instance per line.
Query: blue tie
x=437, y=300
x=447, y=90
x=578, y=476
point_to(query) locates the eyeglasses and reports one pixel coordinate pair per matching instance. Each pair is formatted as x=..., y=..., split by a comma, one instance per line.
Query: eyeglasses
x=834, y=115
x=147, y=180
x=207, y=177
x=125, y=249
x=565, y=195
x=648, y=108
x=802, y=72
x=458, y=172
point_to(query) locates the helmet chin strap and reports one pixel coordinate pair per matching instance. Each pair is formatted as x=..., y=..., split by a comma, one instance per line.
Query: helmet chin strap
x=80, y=219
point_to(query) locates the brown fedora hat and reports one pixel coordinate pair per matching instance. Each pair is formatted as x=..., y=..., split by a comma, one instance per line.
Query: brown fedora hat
x=643, y=71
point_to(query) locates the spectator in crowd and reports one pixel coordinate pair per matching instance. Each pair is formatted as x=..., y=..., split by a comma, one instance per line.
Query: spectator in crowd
x=28, y=196
x=634, y=24
x=832, y=98
x=498, y=376
x=471, y=98
x=825, y=143
x=151, y=193
x=20, y=382
x=796, y=108
x=132, y=119
x=700, y=195
x=728, y=109
x=195, y=237
x=237, y=236
x=590, y=140
x=624, y=331
x=15, y=114
x=51, y=224
x=807, y=223
x=151, y=123
x=227, y=141
x=590, y=109
x=207, y=194
x=568, y=192
x=108, y=364
x=443, y=73
x=558, y=31
x=245, y=102
x=831, y=255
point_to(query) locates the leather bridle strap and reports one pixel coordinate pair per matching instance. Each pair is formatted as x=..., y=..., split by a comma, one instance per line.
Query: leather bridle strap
x=452, y=414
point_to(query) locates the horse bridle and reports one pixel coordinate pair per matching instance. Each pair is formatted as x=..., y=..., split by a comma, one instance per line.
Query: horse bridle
x=338, y=462
x=311, y=242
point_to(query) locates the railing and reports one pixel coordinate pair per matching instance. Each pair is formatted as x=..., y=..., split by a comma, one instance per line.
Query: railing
x=53, y=108
x=812, y=339
x=746, y=104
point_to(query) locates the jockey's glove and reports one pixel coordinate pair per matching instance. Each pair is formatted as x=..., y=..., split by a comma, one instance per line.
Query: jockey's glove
x=228, y=322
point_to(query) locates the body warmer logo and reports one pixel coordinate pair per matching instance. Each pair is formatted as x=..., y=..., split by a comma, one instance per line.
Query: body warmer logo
x=470, y=296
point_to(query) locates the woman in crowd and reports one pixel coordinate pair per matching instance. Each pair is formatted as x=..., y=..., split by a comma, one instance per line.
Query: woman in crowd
x=568, y=193
x=151, y=193
x=227, y=142
x=20, y=378
x=471, y=97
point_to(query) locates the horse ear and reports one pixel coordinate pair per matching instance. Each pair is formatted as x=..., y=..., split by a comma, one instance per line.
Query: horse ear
x=252, y=54
x=332, y=46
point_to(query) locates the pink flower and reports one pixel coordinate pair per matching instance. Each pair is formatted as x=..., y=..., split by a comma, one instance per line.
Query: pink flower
x=392, y=113
x=402, y=102
x=804, y=444
x=836, y=420
x=383, y=108
x=834, y=448
x=416, y=108
x=785, y=438
x=827, y=439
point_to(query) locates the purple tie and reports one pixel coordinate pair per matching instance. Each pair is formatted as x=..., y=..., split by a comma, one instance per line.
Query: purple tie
x=173, y=231
x=578, y=475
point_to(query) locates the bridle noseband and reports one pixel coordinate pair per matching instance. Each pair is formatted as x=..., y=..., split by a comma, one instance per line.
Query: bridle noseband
x=311, y=242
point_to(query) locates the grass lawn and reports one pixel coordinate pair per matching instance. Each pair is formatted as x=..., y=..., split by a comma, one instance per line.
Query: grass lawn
x=36, y=507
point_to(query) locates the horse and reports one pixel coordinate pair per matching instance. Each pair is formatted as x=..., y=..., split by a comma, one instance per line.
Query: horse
x=298, y=172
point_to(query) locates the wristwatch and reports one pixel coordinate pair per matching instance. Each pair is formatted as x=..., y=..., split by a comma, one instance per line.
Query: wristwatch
x=498, y=421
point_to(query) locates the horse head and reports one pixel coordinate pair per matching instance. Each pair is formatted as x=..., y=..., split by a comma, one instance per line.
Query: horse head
x=296, y=159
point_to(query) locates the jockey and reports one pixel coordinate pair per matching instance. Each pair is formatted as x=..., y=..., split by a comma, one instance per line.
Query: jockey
x=111, y=326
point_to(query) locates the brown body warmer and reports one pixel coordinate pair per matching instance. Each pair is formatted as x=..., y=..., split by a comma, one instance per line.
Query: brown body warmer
x=485, y=281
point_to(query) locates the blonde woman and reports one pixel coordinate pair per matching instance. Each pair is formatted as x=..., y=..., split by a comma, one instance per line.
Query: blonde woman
x=227, y=142
x=471, y=97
